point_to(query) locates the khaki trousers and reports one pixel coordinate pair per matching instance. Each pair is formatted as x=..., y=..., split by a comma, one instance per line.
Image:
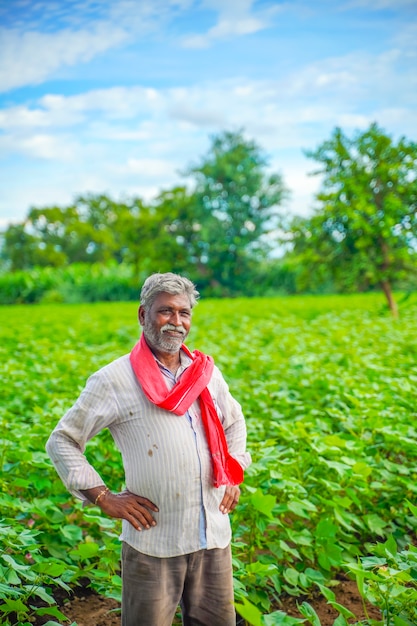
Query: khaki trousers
x=201, y=582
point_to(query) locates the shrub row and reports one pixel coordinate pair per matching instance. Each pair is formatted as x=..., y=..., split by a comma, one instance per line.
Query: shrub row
x=74, y=283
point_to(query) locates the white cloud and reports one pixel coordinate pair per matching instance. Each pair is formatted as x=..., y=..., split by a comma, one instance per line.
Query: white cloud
x=113, y=103
x=275, y=112
x=150, y=168
x=23, y=117
x=204, y=116
x=136, y=139
x=49, y=147
x=30, y=57
x=116, y=103
x=223, y=29
x=40, y=146
x=236, y=18
x=303, y=186
x=29, y=54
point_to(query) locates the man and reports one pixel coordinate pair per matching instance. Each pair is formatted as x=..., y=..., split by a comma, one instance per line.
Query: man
x=182, y=437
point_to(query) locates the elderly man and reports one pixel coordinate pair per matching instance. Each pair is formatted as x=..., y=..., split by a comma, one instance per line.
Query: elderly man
x=182, y=437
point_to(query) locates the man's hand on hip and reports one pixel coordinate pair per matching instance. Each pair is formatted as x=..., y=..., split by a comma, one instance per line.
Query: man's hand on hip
x=126, y=505
x=230, y=499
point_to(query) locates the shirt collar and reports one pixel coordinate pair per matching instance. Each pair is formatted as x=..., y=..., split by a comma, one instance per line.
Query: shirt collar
x=185, y=362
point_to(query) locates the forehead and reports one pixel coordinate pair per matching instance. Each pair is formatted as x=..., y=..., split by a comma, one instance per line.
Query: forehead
x=176, y=301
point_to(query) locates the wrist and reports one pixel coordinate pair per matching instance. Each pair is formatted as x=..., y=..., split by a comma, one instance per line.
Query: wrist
x=101, y=496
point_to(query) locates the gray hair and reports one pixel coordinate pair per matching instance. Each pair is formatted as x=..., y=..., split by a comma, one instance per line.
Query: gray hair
x=170, y=283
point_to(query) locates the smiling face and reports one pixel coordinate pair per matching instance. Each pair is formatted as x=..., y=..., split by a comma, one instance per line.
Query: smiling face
x=167, y=322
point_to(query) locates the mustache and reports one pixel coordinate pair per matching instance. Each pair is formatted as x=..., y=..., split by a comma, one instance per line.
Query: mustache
x=178, y=329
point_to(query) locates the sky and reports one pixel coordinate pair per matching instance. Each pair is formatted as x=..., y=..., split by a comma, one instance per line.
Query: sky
x=121, y=96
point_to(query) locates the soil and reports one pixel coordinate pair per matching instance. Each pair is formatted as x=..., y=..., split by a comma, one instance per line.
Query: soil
x=86, y=608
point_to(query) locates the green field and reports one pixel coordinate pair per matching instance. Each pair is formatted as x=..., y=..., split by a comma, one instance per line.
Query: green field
x=329, y=389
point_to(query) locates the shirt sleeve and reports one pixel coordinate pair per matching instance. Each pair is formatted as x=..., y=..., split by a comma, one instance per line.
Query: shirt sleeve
x=231, y=416
x=95, y=409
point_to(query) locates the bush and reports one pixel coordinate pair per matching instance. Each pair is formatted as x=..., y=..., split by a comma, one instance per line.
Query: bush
x=75, y=283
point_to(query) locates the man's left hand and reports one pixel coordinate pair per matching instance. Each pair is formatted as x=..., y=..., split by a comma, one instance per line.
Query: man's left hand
x=230, y=499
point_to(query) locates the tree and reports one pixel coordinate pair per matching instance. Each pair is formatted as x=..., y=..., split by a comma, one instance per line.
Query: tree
x=85, y=232
x=364, y=234
x=95, y=237
x=177, y=214
x=22, y=250
x=151, y=234
x=236, y=206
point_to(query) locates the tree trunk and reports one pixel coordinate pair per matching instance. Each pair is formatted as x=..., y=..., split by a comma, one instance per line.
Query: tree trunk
x=385, y=284
x=386, y=287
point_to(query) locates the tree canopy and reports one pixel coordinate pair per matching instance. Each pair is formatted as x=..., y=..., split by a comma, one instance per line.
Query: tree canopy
x=213, y=231
x=221, y=228
x=364, y=231
x=237, y=206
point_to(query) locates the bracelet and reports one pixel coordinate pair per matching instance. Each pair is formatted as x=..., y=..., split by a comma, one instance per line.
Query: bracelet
x=101, y=494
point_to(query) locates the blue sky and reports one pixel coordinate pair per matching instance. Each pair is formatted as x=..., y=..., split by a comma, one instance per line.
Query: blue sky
x=121, y=96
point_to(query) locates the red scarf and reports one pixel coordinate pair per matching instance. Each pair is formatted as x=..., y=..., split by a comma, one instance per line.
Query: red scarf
x=192, y=385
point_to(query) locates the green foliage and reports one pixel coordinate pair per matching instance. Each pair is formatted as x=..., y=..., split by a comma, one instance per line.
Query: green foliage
x=237, y=205
x=388, y=579
x=328, y=386
x=75, y=283
x=214, y=231
x=117, y=282
x=85, y=232
x=364, y=231
x=221, y=229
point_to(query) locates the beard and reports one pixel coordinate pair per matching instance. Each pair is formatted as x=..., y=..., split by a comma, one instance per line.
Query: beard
x=158, y=340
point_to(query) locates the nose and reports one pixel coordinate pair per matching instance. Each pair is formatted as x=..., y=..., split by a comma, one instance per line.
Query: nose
x=176, y=318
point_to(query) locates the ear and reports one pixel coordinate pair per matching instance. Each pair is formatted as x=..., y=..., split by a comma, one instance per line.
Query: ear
x=141, y=315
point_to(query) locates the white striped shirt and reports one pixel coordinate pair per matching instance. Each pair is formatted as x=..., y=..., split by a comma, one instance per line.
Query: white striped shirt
x=165, y=457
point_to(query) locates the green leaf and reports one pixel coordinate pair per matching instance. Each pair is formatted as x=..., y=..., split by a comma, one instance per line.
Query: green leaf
x=50, y=568
x=309, y=613
x=327, y=593
x=85, y=551
x=13, y=606
x=298, y=508
x=398, y=621
x=12, y=577
x=262, y=502
x=362, y=469
x=326, y=529
x=72, y=532
x=391, y=546
x=412, y=507
x=342, y=610
x=362, y=575
x=249, y=612
x=52, y=610
x=314, y=575
x=261, y=568
x=8, y=591
x=291, y=576
x=14, y=564
x=42, y=593
x=375, y=523
x=279, y=618
x=286, y=548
